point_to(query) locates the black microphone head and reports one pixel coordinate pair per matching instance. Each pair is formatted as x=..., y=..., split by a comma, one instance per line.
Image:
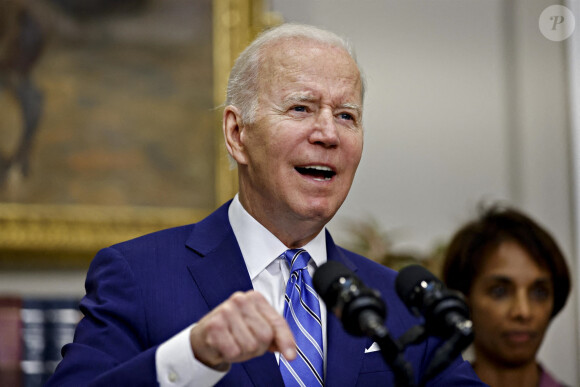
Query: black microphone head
x=409, y=278
x=347, y=297
x=444, y=310
x=326, y=276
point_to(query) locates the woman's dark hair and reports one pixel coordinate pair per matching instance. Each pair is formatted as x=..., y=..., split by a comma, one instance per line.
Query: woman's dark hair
x=476, y=240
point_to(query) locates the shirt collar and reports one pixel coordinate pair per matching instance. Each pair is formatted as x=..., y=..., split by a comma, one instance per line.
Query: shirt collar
x=260, y=247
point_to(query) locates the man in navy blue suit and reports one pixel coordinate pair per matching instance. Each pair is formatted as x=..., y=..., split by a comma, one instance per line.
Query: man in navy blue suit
x=202, y=304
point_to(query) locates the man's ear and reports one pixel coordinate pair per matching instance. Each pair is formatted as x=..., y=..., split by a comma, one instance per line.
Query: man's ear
x=233, y=128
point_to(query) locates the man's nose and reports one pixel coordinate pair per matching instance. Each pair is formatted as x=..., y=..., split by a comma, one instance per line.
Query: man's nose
x=325, y=131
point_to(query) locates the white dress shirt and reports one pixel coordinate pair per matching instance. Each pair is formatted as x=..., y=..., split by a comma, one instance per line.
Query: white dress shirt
x=269, y=272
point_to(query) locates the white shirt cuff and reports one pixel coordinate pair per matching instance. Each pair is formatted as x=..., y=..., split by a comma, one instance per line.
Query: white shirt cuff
x=176, y=365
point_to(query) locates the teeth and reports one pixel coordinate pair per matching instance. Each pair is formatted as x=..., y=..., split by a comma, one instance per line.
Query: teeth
x=319, y=168
x=317, y=172
x=325, y=172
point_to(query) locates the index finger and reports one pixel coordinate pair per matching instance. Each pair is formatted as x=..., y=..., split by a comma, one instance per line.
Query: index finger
x=283, y=340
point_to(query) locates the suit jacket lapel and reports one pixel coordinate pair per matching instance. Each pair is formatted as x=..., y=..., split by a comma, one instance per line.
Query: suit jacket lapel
x=344, y=351
x=219, y=272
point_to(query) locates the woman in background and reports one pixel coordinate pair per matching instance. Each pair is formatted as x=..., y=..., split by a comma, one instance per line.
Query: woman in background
x=516, y=280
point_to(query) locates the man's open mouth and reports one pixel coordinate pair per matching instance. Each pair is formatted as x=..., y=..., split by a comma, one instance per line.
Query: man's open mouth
x=318, y=172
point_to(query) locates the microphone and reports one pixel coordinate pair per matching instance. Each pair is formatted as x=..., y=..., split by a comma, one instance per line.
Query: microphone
x=445, y=310
x=360, y=309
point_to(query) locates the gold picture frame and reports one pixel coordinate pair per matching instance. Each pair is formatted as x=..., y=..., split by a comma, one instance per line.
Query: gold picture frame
x=66, y=236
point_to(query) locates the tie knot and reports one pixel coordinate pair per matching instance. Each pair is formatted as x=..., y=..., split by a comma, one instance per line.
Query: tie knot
x=297, y=259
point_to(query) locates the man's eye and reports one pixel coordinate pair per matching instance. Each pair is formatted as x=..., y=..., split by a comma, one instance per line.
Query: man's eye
x=299, y=108
x=346, y=116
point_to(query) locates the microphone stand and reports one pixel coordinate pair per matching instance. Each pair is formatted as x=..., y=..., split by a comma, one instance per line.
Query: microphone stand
x=414, y=335
x=459, y=340
x=391, y=350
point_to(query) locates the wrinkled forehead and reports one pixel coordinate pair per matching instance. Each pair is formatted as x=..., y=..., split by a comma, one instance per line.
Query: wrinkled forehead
x=292, y=60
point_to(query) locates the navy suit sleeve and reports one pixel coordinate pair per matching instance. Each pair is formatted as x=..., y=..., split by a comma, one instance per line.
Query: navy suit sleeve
x=111, y=346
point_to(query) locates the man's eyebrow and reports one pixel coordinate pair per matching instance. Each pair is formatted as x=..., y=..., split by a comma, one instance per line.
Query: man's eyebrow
x=352, y=106
x=299, y=98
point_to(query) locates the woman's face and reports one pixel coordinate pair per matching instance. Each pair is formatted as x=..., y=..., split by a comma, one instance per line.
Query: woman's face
x=511, y=301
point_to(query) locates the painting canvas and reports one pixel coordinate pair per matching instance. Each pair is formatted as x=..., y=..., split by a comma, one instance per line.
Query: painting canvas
x=110, y=120
x=125, y=115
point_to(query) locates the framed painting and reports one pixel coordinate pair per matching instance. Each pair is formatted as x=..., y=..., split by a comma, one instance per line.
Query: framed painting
x=110, y=121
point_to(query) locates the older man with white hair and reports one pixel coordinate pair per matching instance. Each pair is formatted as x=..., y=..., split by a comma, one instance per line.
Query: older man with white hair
x=229, y=301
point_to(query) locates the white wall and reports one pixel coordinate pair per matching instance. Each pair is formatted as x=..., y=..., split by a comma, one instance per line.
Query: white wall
x=466, y=101
x=574, y=93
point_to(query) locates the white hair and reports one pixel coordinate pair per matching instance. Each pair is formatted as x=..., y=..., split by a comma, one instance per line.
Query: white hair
x=242, y=89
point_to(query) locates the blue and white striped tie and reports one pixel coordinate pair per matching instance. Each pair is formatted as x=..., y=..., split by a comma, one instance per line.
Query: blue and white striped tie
x=302, y=311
